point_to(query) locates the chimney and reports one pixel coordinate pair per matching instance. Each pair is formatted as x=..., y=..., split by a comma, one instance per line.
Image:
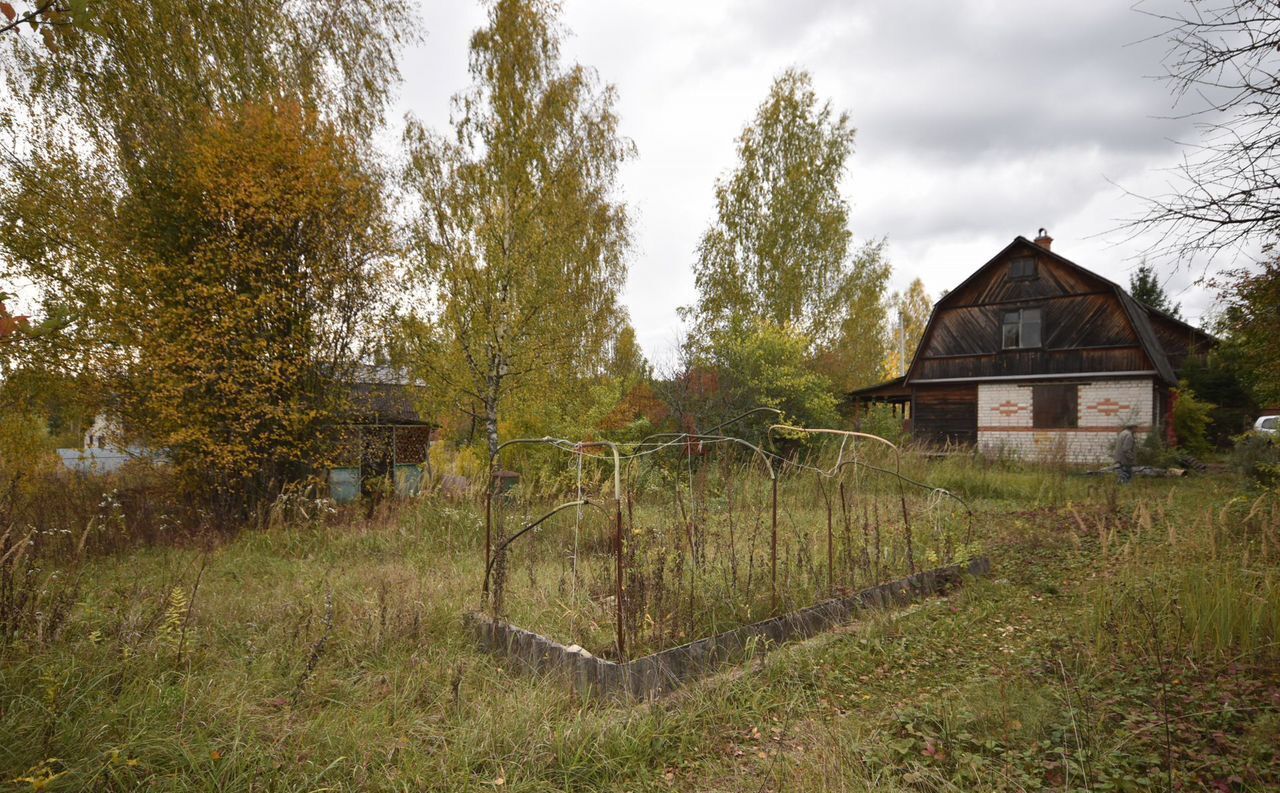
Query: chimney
x=1043, y=239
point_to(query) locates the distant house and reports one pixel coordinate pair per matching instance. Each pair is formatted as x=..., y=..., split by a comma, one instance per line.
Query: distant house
x=382, y=435
x=104, y=450
x=379, y=435
x=1037, y=356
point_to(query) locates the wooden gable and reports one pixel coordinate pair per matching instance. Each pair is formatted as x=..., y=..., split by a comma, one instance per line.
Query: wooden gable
x=1179, y=340
x=1088, y=325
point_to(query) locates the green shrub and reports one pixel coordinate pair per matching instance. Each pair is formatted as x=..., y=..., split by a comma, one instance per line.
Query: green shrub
x=880, y=420
x=1257, y=456
x=26, y=453
x=1155, y=452
x=1191, y=419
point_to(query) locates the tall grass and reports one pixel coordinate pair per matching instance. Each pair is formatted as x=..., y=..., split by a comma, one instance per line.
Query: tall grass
x=700, y=554
x=1208, y=583
x=331, y=655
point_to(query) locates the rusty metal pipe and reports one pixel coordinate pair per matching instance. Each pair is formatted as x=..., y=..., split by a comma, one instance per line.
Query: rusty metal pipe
x=503, y=546
x=773, y=551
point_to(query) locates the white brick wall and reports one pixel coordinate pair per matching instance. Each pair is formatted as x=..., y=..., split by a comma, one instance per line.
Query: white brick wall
x=1071, y=446
x=1108, y=403
x=1005, y=420
x=1003, y=405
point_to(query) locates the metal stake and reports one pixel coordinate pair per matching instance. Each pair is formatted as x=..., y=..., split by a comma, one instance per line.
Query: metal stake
x=773, y=551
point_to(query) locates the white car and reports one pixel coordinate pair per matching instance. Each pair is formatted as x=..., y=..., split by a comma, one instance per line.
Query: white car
x=1269, y=425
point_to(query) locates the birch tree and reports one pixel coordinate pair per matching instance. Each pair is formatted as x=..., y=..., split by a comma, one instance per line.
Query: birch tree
x=518, y=234
x=780, y=248
x=908, y=315
x=1223, y=62
x=100, y=119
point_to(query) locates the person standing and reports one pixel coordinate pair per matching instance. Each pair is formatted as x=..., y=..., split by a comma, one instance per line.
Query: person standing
x=1126, y=453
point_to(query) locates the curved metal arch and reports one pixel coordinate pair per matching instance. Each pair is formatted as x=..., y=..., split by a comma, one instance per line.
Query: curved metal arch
x=572, y=447
x=678, y=437
x=559, y=443
x=902, y=493
x=843, y=433
x=931, y=489
x=585, y=502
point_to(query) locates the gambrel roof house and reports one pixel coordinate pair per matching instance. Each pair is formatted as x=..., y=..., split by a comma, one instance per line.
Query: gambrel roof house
x=1035, y=355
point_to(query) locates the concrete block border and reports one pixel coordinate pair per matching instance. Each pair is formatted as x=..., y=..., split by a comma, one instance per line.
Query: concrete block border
x=663, y=672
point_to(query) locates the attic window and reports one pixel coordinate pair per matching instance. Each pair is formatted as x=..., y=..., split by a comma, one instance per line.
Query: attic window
x=1021, y=329
x=1022, y=267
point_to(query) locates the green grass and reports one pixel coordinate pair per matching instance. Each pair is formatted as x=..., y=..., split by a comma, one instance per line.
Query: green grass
x=1124, y=637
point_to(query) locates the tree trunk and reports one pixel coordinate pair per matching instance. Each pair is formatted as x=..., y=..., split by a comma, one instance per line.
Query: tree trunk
x=491, y=423
x=499, y=533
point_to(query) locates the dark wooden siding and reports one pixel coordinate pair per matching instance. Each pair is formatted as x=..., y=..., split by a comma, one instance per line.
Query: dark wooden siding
x=1084, y=327
x=995, y=286
x=945, y=414
x=1179, y=341
x=1022, y=363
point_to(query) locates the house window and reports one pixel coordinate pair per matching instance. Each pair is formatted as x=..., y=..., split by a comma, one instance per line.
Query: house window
x=1022, y=267
x=1021, y=328
x=1053, y=406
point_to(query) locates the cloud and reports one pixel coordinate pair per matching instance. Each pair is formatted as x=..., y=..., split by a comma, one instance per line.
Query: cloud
x=977, y=121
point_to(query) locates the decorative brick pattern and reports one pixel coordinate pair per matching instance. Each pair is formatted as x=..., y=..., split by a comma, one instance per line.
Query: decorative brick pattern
x=1109, y=407
x=1004, y=405
x=1110, y=403
x=1105, y=406
x=663, y=672
x=1009, y=408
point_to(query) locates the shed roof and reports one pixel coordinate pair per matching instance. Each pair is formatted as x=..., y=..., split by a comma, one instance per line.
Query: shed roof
x=383, y=394
x=889, y=390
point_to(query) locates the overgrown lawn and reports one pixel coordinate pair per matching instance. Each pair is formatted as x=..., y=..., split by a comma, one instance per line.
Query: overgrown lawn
x=1126, y=640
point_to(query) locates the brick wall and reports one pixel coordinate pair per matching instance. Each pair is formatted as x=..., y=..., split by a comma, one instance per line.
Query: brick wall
x=1003, y=405
x=1005, y=425
x=1107, y=403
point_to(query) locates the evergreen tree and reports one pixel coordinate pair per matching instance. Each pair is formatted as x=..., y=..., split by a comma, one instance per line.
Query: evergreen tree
x=1145, y=287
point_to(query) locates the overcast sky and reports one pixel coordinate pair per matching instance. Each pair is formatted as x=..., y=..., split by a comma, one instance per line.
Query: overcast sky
x=977, y=121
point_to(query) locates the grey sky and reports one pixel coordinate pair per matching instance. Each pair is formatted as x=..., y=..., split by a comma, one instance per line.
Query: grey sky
x=977, y=121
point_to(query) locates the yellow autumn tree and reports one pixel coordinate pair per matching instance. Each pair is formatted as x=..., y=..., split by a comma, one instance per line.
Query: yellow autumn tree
x=198, y=194
x=254, y=280
x=908, y=315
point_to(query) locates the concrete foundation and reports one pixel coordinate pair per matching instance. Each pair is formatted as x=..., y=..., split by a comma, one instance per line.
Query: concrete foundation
x=663, y=672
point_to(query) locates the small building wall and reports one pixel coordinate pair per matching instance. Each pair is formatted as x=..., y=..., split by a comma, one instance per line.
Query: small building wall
x=945, y=414
x=1103, y=406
